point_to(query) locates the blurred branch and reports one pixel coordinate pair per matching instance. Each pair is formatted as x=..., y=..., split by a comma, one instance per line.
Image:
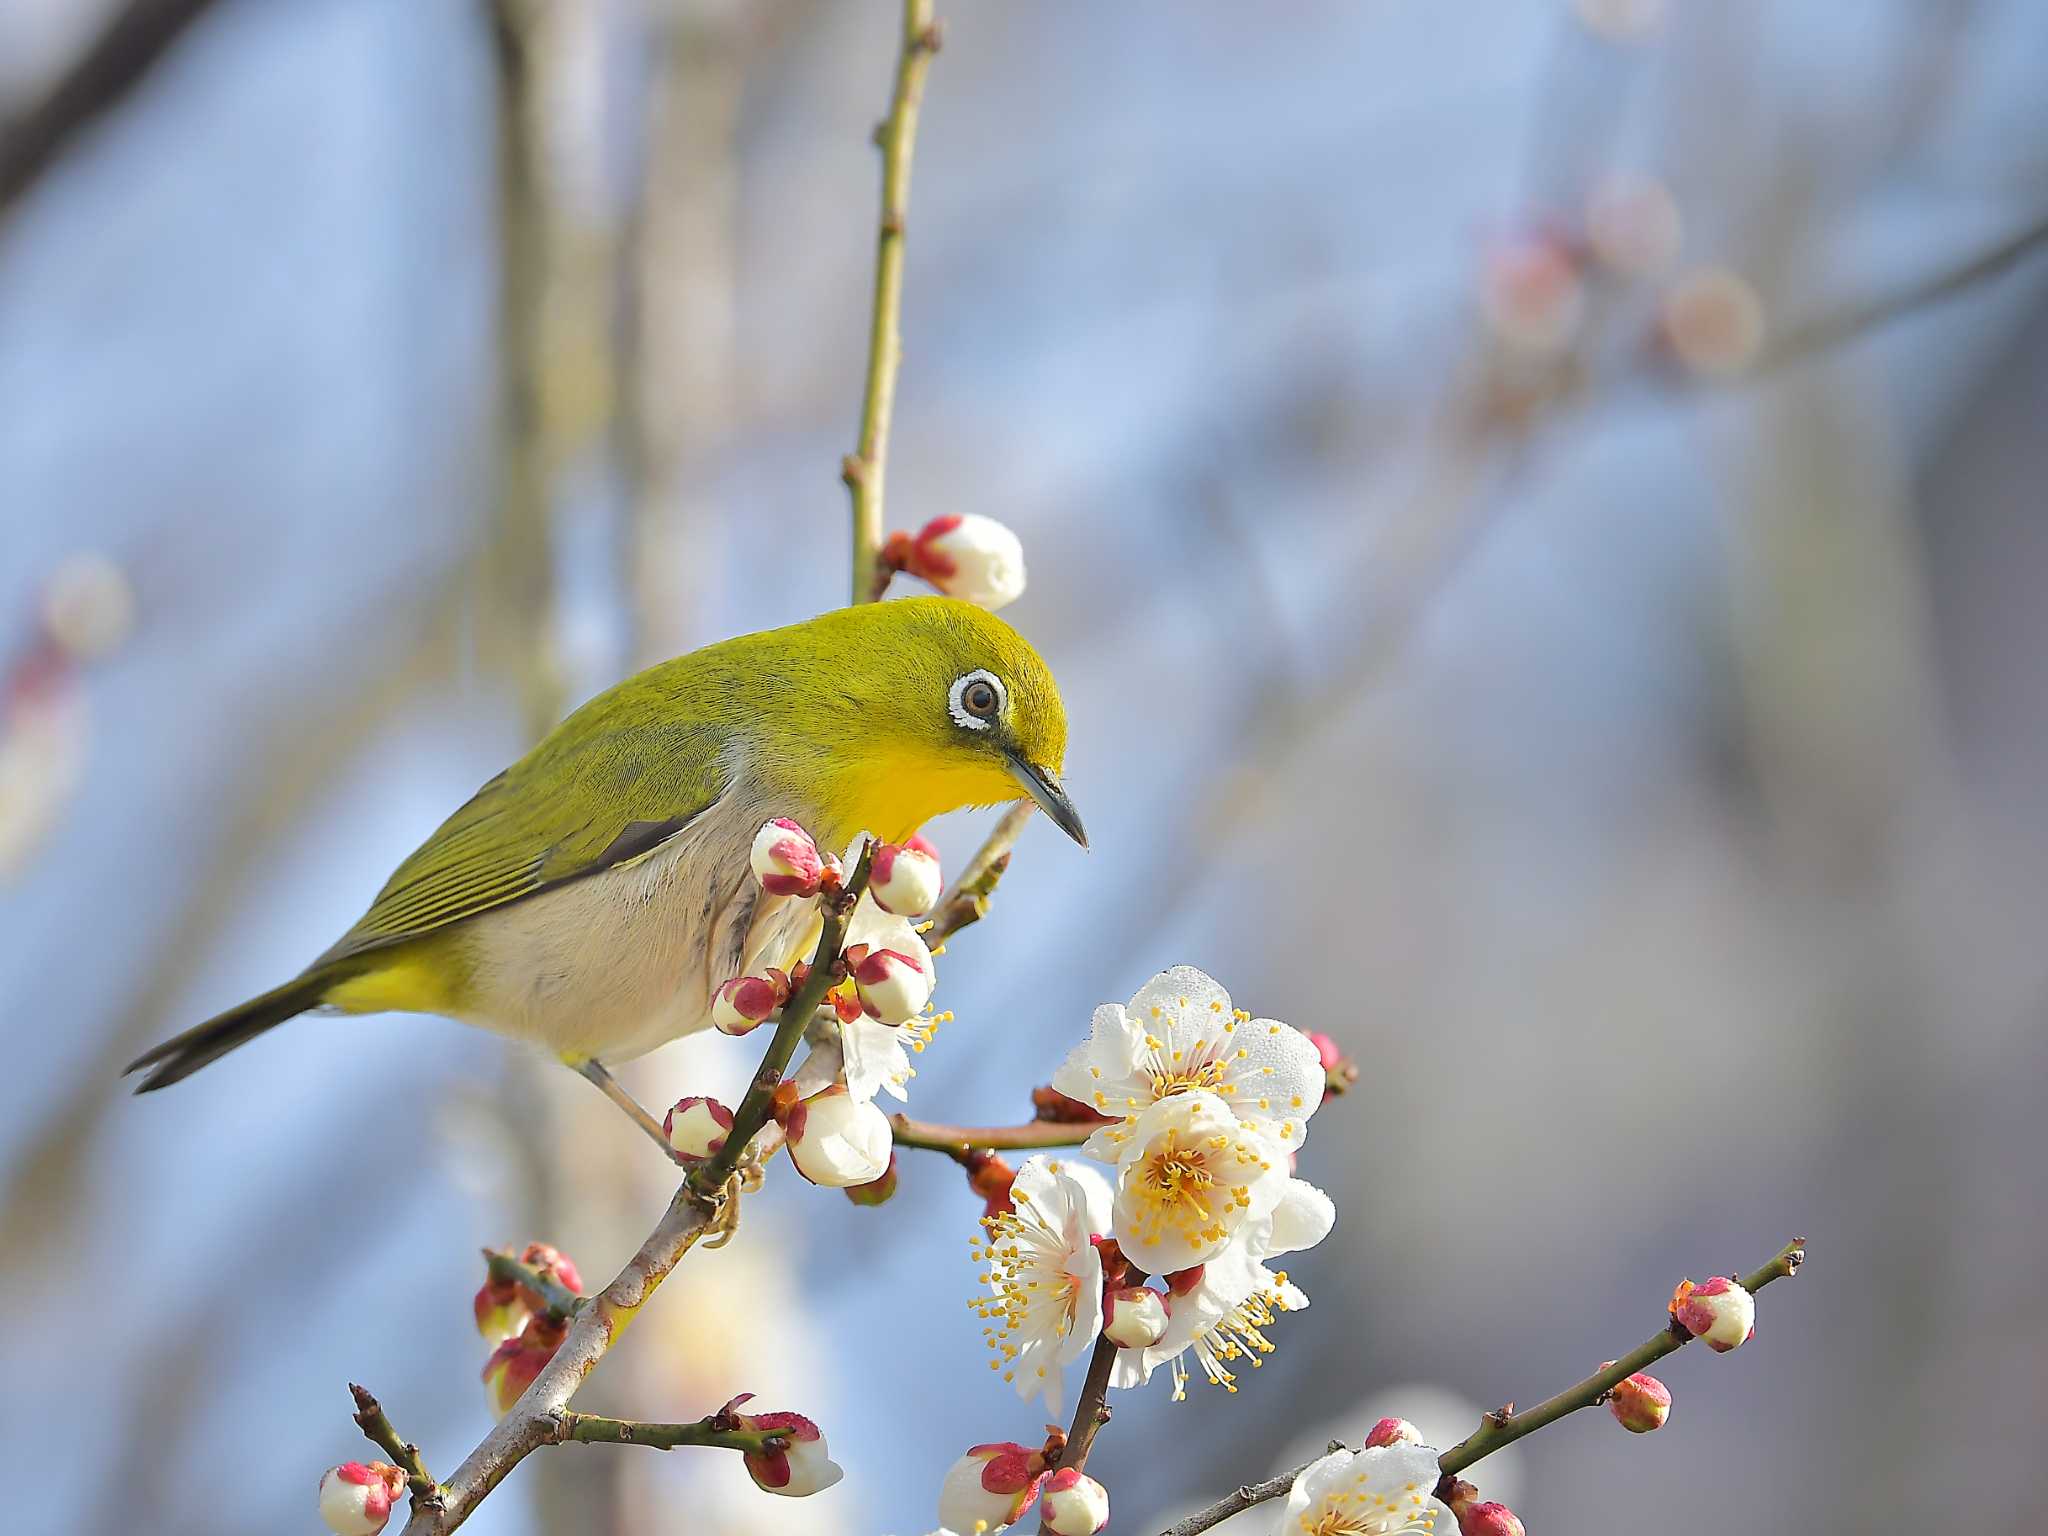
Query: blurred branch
x=967, y=902
x=113, y=64
x=701, y=1203
x=1504, y=1426
x=558, y=1302
x=866, y=468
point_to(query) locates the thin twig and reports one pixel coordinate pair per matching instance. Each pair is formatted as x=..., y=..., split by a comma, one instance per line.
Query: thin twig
x=1505, y=1427
x=535, y=1420
x=865, y=469
x=558, y=1302
x=375, y=1423
x=712, y=1430
x=957, y=1140
x=967, y=902
x=1091, y=1412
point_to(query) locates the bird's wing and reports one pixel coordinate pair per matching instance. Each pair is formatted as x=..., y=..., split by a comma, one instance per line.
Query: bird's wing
x=601, y=790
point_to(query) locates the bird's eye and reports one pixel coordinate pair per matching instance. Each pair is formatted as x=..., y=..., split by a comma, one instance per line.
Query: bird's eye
x=977, y=699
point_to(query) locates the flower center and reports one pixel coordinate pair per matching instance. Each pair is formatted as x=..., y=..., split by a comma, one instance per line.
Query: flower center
x=1362, y=1513
x=1207, y=1075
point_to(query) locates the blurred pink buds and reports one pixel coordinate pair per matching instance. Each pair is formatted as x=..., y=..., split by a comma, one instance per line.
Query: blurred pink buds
x=1718, y=1312
x=1133, y=1316
x=356, y=1497
x=740, y=1005
x=1073, y=1503
x=1340, y=1072
x=990, y=1177
x=990, y=1487
x=904, y=879
x=554, y=1265
x=696, y=1128
x=801, y=1467
x=1393, y=1432
x=502, y=1309
x=1633, y=225
x=876, y=1191
x=785, y=860
x=893, y=987
x=515, y=1362
x=1639, y=1404
x=1531, y=294
x=964, y=555
x=836, y=1140
x=1713, y=322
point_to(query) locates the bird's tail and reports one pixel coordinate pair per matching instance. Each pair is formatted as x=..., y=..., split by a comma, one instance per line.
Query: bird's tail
x=182, y=1055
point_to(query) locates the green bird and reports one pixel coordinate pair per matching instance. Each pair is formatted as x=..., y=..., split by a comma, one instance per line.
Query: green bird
x=592, y=896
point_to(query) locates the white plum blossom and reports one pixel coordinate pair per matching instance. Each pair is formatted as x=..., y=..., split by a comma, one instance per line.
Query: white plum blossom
x=1190, y=1176
x=1179, y=1035
x=1384, y=1491
x=838, y=1140
x=1220, y=1311
x=865, y=1054
x=1044, y=1274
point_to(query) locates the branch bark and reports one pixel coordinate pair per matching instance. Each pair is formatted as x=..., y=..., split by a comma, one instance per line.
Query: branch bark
x=967, y=902
x=1505, y=1427
x=957, y=1140
x=1091, y=1412
x=376, y=1424
x=865, y=469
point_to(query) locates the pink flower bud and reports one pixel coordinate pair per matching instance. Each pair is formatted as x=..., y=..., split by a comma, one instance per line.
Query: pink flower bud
x=800, y=1468
x=741, y=1004
x=696, y=1127
x=904, y=879
x=876, y=1191
x=554, y=1264
x=1717, y=1311
x=893, y=987
x=1073, y=1503
x=514, y=1363
x=785, y=860
x=1639, y=1404
x=990, y=1177
x=837, y=1141
x=1133, y=1316
x=1393, y=1432
x=1488, y=1519
x=356, y=1497
x=990, y=1487
x=502, y=1309
x=965, y=555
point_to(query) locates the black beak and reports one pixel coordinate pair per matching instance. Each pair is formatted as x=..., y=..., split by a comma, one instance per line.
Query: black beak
x=1043, y=785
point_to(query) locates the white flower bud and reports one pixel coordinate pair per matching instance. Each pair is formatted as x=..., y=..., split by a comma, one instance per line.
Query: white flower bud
x=1133, y=1316
x=1717, y=1311
x=838, y=1141
x=1074, y=1504
x=696, y=1127
x=742, y=1003
x=968, y=556
x=893, y=986
x=356, y=1497
x=905, y=880
x=801, y=1468
x=990, y=1487
x=785, y=860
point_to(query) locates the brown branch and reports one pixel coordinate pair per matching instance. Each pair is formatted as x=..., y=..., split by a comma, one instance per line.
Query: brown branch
x=967, y=902
x=1504, y=1426
x=376, y=1424
x=538, y=1418
x=1091, y=1412
x=957, y=1140
x=712, y=1430
x=111, y=66
x=865, y=469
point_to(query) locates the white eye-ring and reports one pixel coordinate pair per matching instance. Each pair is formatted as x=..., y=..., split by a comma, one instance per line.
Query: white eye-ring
x=976, y=700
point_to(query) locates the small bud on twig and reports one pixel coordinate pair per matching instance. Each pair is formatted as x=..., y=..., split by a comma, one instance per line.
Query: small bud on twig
x=356, y=1497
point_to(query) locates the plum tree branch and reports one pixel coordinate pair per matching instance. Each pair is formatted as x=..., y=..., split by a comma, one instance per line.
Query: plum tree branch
x=376, y=1424
x=1504, y=1426
x=865, y=469
x=957, y=1140
x=1091, y=1412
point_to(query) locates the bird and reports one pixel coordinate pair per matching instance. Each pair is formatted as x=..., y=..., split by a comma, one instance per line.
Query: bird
x=592, y=897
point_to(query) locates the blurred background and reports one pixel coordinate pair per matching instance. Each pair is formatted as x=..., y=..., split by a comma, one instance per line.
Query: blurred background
x=1537, y=508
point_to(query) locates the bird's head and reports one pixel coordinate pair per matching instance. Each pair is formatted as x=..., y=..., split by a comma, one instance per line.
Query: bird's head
x=955, y=709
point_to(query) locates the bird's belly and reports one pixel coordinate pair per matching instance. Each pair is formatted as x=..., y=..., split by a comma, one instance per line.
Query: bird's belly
x=622, y=962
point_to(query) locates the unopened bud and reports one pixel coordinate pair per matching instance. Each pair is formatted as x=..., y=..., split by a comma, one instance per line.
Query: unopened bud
x=785, y=860
x=1133, y=1316
x=554, y=1265
x=1073, y=1504
x=1640, y=1403
x=964, y=555
x=876, y=1191
x=990, y=1177
x=740, y=1005
x=502, y=1309
x=1339, y=1071
x=990, y=1487
x=1393, y=1432
x=514, y=1363
x=696, y=1128
x=904, y=878
x=1713, y=322
x=893, y=987
x=1717, y=1311
x=1048, y=1103
x=836, y=1140
x=801, y=1467
x=356, y=1497
x=1489, y=1519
